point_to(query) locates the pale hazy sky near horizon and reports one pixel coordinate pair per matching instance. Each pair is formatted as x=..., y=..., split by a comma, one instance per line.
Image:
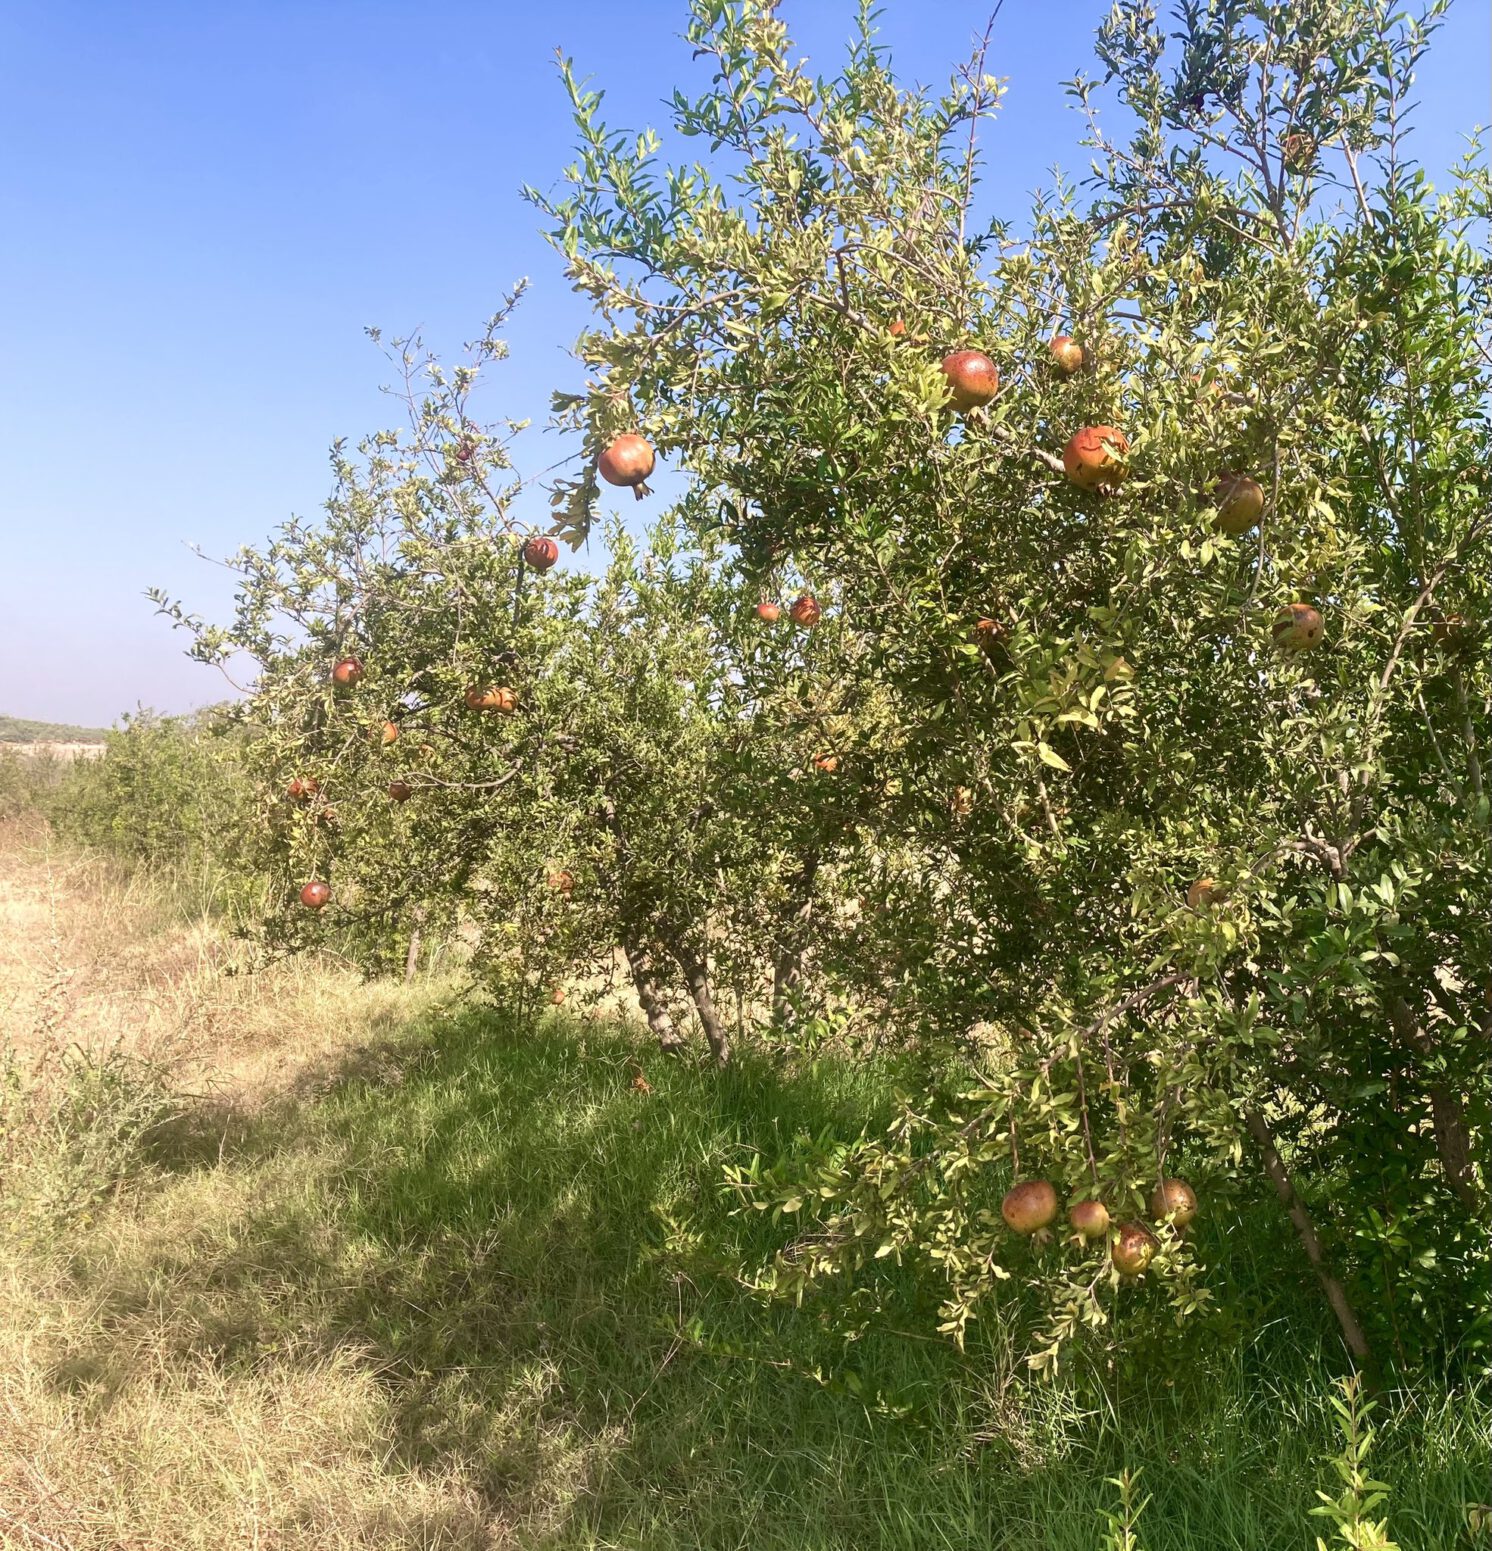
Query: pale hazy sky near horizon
x=202, y=207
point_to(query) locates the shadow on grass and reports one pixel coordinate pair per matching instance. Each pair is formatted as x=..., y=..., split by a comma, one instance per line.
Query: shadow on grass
x=528, y=1251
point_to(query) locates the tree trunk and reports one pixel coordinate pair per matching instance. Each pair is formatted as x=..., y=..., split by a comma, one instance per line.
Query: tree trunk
x=697, y=977
x=645, y=982
x=787, y=967
x=1336, y=1295
x=412, y=958
x=1452, y=1134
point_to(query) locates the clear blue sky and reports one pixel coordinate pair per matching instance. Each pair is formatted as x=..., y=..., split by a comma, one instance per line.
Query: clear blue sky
x=202, y=206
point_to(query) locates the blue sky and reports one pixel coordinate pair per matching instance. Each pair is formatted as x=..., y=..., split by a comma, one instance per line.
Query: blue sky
x=202, y=207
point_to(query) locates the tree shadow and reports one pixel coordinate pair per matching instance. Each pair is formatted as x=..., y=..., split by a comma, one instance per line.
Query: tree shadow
x=532, y=1252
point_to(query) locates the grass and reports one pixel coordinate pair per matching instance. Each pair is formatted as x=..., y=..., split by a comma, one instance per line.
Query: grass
x=457, y=1281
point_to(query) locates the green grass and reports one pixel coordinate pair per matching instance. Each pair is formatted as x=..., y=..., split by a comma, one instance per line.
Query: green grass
x=525, y=1254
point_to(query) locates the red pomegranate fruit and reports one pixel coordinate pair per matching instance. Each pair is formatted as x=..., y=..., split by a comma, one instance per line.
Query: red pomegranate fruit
x=1030, y=1206
x=1133, y=1249
x=1089, y=1218
x=768, y=612
x=628, y=461
x=1094, y=457
x=1173, y=1201
x=1298, y=628
x=302, y=788
x=490, y=697
x=400, y=791
x=347, y=673
x=540, y=553
x=1067, y=355
x=315, y=894
x=973, y=379
x=1240, y=503
x=1205, y=892
x=805, y=611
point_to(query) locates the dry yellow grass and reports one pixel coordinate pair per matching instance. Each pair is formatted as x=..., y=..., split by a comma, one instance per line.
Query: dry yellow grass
x=119, y=1430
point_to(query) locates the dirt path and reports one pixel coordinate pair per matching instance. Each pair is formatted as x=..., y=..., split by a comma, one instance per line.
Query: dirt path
x=93, y=961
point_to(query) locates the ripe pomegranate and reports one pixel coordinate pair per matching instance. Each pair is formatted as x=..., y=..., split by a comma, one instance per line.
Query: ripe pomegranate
x=1240, y=503
x=1205, y=892
x=1089, y=1218
x=828, y=763
x=1133, y=1249
x=988, y=634
x=302, y=788
x=1450, y=631
x=315, y=894
x=805, y=611
x=628, y=461
x=489, y=698
x=768, y=612
x=898, y=328
x=557, y=997
x=562, y=882
x=1067, y=354
x=962, y=802
x=1298, y=628
x=1029, y=1206
x=973, y=379
x=464, y=451
x=1093, y=458
x=1299, y=152
x=348, y=672
x=540, y=553
x=384, y=734
x=1173, y=1201
x=400, y=791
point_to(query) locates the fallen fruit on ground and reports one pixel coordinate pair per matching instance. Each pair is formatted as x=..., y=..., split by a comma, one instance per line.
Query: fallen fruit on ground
x=1089, y=1218
x=1240, y=503
x=1173, y=1201
x=628, y=461
x=1030, y=1206
x=1094, y=457
x=315, y=894
x=1133, y=1249
x=1298, y=628
x=973, y=379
